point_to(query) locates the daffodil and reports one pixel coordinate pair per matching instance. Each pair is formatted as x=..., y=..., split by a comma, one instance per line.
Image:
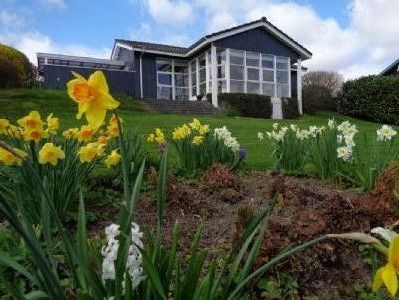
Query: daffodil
x=15, y=132
x=156, y=137
x=181, y=132
x=70, y=133
x=52, y=124
x=102, y=139
x=112, y=159
x=31, y=121
x=113, y=130
x=86, y=133
x=92, y=96
x=203, y=129
x=90, y=151
x=198, y=140
x=33, y=134
x=195, y=124
x=8, y=158
x=50, y=154
x=4, y=124
x=387, y=274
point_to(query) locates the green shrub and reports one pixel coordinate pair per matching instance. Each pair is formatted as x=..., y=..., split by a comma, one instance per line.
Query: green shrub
x=15, y=69
x=317, y=98
x=373, y=98
x=248, y=105
x=290, y=108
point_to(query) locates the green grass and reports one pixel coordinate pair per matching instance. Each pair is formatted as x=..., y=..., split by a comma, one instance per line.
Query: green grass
x=16, y=103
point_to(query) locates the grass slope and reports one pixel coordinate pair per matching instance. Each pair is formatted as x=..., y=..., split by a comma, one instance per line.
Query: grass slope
x=18, y=102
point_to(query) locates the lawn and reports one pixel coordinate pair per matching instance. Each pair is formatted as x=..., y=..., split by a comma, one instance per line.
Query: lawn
x=16, y=103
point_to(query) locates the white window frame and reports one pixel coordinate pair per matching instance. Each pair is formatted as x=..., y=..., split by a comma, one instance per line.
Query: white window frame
x=172, y=73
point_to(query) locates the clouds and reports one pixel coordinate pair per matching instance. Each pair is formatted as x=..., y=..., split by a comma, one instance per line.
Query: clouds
x=366, y=45
x=60, y=4
x=172, y=13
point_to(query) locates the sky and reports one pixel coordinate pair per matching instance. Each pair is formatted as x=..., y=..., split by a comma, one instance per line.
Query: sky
x=352, y=37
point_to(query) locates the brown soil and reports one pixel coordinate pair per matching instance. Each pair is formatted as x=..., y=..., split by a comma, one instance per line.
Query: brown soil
x=309, y=208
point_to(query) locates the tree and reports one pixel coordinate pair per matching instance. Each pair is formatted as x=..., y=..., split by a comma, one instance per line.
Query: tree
x=333, y=81
x=15, y=68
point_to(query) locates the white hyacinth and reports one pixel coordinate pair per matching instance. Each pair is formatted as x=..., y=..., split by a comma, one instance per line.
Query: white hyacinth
x=331, y=124
x=344, y=152
x=134, y=259
x=260, y=136
x=225, y=135
x=385, y=133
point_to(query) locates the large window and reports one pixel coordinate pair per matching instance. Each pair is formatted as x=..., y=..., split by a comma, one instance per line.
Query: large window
x=237, y=71
x=268, y=78
x=172, y=79
x=283, y=69
x=252, y=71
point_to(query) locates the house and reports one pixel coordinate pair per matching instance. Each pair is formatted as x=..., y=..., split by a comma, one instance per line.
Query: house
x=392, y=69
x=255, y=57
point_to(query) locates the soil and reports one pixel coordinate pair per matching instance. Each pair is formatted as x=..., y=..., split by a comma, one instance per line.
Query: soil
x=308, y=208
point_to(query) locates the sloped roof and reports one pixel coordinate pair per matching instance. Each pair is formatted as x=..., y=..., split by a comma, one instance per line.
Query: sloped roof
x=392, y=68
x=183, y=51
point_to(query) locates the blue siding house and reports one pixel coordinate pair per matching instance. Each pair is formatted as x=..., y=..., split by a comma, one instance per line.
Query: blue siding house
x=255, y=57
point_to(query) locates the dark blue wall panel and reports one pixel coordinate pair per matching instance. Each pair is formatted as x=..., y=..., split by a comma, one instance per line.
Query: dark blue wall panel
x=149, y=76
x=293, y=84
x=258, y=40
x=126, y=56
x=56, y=77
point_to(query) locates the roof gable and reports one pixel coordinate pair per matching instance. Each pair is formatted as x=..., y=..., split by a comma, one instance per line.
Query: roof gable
x=206, y=40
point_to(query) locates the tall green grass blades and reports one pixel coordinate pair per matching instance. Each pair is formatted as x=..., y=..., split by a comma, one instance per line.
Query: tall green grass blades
x=161, y=192
x=263, y=269
x=153, y=276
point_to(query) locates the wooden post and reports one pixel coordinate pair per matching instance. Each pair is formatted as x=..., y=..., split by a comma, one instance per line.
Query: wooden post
x=214, y=76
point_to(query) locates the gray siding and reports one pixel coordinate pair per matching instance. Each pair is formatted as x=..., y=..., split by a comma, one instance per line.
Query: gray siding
x=56, y=77
x=258, y=40
x=126, y=56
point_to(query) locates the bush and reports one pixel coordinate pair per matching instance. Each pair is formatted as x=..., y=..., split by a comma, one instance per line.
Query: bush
x=372, y=98
x=248, y=105
x=290, y=108
x=317, y=98
x=15, y=69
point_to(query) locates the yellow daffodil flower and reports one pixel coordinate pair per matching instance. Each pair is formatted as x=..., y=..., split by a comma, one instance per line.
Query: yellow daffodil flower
x=195, y=124
x=33, y=134
x=86, y=133
x=112, y=159
x=90, y=151
x=4, y=124
x=203, y=129
x=198, y=140
x=52, y=124
x=102, y=139
x=387, y=274
x=156, y=137
x=70, y=133
x=113, y=130
x=181, y=132
x=14, y=132
x=151, y=138
x=92, y=96
x=9, y=158
x=50, y=154
x=31, y=121
x=114, y=120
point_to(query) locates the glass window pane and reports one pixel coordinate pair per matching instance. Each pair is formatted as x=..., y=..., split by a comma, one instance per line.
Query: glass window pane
x=268, y=89
x=164, y=65
x=236, y=86
x=221, y=72
x=282, y=63
x=236, y=57
x=202, y=75
x=252, y=74
x=252, y=59
x=164, y=92
x=181, y=94
x=221, y=56
x=268, y=61
x=222, y=86
x=283, y=90
x=164, y=79
x=253, y=88
x=194, y=91
x=193, y=66
x=237, y=72
x=282, y=77
x=181, y=80
x=202, y=61
x=179, y=68
x=203, y=88
x=268, y=75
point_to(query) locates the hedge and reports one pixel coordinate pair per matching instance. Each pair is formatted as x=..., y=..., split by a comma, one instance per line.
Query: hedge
x=246, y=105
x=317, y=98
x=15, y=68
x=290, y=108
x=372, y=98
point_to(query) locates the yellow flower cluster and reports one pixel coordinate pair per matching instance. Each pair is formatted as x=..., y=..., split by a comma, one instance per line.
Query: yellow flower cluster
x=112, y=159
x=91, y=151
x=156, y=137
x=9, y=159
x=195, y=127
x=50, y=154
